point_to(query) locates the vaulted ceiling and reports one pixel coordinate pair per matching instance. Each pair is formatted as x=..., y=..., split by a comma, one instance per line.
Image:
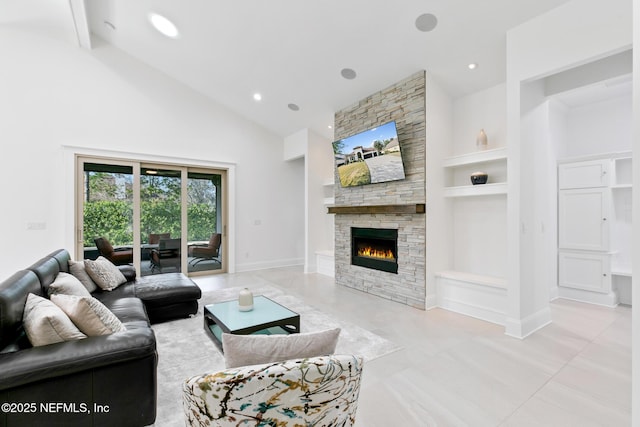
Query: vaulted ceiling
x=294, y=52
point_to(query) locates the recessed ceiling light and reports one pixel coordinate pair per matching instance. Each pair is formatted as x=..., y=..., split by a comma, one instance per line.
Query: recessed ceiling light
x=257, y=97
x=348, y=73
x=330, y=127
x=293, y=107
x=426, y=22
x=164, y=25
x=472, y=66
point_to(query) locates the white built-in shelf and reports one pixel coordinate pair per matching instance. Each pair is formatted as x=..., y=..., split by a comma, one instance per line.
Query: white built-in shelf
x=619, y=186
x=476, y=157
x=621, y=272
x=329, y=198
x=476, y=190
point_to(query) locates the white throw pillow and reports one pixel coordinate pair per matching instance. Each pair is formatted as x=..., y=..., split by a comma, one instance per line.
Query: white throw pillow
x=104, y=273
x=67, y=284
x=45, y=323
x=89, y=314
x=244, y=350
x=77, y=269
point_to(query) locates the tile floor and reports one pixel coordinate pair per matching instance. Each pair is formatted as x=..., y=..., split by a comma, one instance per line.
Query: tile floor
x=454, y=370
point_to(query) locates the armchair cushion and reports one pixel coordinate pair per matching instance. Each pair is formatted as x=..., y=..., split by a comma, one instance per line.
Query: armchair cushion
x=302, y=392
x=45, y=323
x=89, y=315
x=104, y=273
x=243, y=350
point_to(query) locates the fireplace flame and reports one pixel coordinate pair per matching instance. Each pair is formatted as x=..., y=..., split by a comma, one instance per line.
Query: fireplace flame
x=371, y=252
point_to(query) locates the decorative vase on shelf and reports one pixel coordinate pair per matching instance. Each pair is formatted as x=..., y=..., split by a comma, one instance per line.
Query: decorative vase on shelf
x=479, y=178
x=245, y=300
x=481, y=140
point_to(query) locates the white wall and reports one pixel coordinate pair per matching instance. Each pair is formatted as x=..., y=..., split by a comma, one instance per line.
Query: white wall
x=479, y=223
x=439, y=134
x=635, y=330
x=545, y=45
x=316, y=155
x=55, y=94
x=601, y=127
x=319, y=224
x=538, y=252
x=486, y=110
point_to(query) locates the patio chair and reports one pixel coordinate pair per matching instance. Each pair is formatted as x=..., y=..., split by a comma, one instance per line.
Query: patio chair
x=154, y=238
x=209, y=252
x=118, y=256
x=167, y=255
x=153, y=243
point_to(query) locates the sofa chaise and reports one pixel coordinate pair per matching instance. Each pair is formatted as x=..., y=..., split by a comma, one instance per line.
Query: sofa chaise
x=106, y=380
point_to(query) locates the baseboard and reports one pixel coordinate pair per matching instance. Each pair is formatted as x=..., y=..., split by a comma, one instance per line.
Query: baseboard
x=487, y=314
x=325, y=263
x=522, y=328
x=472, y=295
x=608, y=300
x=264, y=265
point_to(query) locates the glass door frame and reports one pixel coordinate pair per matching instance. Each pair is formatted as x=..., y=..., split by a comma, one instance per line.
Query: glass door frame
x=136, y=165
x=222, y=214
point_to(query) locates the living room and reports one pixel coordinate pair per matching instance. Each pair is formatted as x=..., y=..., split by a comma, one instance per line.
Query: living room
x=60, y=101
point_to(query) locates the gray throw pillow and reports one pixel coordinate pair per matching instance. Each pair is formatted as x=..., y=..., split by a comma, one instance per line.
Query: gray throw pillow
x=77, y=269
x=104, y=273
x=244, y=350
x=45, y=323
x=67, y=284
x=89, y=314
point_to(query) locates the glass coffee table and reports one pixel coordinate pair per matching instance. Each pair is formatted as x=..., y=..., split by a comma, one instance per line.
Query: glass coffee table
x=267, y=317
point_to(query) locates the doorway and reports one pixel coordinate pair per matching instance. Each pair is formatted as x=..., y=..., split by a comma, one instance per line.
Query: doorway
x=170, y=217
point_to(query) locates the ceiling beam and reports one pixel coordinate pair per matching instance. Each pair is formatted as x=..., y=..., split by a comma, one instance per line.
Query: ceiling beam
x=80, y=23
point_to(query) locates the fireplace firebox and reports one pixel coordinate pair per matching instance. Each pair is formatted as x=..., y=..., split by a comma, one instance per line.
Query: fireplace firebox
x=375, y=248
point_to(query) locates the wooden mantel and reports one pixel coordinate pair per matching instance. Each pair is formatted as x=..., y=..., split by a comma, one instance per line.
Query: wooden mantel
x=414, y=208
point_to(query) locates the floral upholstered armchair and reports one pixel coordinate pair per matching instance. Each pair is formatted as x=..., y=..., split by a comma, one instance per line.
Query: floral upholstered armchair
x=319, y=391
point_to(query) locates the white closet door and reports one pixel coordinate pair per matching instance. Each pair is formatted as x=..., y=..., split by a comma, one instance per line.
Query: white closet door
x=592, y=173
x=587, y=271
x=583, y=222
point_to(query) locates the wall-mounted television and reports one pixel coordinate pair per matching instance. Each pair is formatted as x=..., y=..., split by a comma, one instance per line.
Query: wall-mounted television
x=369, y=157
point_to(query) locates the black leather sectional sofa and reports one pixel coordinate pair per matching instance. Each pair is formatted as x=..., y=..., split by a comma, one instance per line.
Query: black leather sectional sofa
x=107, y=380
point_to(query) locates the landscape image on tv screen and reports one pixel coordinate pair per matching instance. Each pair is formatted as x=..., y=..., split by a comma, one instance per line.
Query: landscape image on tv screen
x=369, y=157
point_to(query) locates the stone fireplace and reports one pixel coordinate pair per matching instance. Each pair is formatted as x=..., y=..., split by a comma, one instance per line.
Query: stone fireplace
x=395, y=208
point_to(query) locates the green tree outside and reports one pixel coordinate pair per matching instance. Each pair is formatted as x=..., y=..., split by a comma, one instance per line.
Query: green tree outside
x=108, y=209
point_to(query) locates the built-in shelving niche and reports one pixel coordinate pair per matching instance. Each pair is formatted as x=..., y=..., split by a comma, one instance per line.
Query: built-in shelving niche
x=459, y=168
x=467, y=292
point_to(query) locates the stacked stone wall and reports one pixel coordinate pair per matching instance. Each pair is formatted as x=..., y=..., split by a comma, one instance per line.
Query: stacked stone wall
x=404, y=103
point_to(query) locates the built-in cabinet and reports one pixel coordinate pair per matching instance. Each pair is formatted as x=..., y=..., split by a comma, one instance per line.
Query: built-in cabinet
x=594, y=229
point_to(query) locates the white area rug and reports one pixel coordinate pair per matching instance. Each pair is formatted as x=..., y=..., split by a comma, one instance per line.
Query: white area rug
x=185, y=349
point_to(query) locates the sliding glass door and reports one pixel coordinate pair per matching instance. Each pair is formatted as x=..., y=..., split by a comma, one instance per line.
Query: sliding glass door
x=160, y=217
x=106, y=213
x=205, y=221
